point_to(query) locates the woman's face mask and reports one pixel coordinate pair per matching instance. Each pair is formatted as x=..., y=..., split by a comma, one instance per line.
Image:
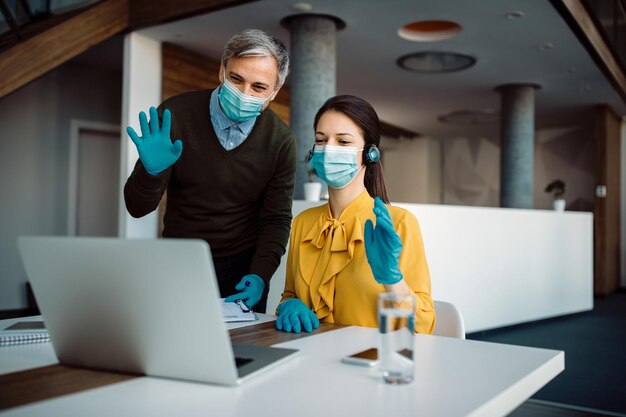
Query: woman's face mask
x=337, y=166
x=238, y=106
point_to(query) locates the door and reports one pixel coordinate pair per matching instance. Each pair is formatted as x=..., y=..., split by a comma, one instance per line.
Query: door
x=94, y=180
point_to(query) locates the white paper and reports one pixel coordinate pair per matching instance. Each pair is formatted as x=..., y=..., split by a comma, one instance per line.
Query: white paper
x=232, y=312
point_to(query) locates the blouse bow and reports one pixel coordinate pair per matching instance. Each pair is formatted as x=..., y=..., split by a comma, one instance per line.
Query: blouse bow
x=326, y=250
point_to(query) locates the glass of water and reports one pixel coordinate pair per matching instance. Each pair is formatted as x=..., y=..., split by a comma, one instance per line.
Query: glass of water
x=396, y=328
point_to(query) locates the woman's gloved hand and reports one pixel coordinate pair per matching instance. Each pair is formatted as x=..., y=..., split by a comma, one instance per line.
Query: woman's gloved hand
x=156, y=150
x=293, y=316
x=383, y=246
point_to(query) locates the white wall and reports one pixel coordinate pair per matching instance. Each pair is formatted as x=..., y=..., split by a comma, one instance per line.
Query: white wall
x=471, y=167
x=471, y=171
x=566, y=153
x=34, y=154
x=142, y=89
x=412, y=169
x=499, y=266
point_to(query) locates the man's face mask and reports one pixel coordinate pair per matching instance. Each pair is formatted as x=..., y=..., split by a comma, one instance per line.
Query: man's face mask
x=337, y=166
x=238, y=106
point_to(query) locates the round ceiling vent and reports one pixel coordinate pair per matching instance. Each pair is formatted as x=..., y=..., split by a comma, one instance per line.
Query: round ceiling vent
x=429, y=30
x=435, y=62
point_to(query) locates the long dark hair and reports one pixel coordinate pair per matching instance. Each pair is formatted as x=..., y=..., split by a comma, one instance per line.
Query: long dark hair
x=364, y=115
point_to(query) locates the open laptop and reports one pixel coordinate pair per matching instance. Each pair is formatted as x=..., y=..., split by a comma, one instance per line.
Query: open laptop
x=139, y=306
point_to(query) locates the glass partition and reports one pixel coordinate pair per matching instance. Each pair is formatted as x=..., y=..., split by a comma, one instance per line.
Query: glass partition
x=611, y=17
x=15, y=15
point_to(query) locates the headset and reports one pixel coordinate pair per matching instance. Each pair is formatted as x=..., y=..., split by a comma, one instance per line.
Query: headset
x=371, y=155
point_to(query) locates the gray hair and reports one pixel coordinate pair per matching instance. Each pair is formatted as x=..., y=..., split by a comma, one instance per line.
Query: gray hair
x=254, y=42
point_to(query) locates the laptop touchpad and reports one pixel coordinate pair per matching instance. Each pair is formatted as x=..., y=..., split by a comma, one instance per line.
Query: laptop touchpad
x=257, y=357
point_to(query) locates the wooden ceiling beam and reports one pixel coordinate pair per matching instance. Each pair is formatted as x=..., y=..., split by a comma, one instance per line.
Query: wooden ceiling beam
x=149, y=12
x=43, y=52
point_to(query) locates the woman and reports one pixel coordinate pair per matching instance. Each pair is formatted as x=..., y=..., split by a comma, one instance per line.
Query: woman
x=338, y=262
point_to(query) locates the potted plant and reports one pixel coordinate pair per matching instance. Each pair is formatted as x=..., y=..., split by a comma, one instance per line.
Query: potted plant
x=312, y=188
x=557, y=189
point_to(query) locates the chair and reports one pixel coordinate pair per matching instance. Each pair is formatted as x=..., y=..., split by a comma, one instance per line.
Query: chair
x=449, y=320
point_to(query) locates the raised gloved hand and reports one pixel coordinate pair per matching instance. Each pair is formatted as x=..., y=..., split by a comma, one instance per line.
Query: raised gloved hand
x=383, y=246
x=250, y=290
x=156, y=150
x=293, y=316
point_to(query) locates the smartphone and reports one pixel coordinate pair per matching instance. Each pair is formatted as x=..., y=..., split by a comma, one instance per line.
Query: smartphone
x=367, y=357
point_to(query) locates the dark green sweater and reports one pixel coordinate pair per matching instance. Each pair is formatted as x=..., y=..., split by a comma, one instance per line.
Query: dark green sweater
x=234, y=199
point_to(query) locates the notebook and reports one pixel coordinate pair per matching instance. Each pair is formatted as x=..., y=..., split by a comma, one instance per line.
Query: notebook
x=22, y=332
x=139, y=306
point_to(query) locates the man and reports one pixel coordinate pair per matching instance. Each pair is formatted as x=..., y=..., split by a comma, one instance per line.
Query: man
x=230, y=173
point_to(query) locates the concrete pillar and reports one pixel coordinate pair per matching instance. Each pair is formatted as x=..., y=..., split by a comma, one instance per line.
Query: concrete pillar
x=313, y=78
x=517, y=125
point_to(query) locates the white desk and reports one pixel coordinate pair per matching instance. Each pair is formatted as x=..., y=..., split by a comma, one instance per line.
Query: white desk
x=453, y=378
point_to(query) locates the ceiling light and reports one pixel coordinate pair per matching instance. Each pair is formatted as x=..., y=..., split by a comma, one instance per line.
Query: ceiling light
x=435, y=62
x=302, y=7
x=429, y=30
x=471, y=117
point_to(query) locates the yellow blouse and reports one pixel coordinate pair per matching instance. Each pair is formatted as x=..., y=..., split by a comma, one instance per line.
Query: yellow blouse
x=327, y=266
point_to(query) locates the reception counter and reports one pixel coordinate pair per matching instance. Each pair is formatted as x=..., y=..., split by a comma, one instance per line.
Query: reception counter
x=499, y=266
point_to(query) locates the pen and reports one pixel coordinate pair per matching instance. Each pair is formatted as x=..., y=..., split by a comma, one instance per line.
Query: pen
x=241, y=304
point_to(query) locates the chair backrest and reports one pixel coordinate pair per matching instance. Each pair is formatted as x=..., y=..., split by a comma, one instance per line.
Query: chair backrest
x=449, y=320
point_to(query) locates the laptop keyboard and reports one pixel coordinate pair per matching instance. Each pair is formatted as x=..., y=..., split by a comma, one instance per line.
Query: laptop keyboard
x=239, y=362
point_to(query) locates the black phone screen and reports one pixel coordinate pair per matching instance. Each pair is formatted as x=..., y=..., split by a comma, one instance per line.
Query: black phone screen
x=370, y=354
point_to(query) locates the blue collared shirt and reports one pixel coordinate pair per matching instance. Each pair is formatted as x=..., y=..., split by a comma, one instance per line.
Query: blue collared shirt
x=230, y=134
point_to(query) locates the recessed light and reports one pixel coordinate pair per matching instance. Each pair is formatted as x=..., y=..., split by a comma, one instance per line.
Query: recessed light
x=435, y=62
x=429, y=30
x=515, y=15
x=302, y=7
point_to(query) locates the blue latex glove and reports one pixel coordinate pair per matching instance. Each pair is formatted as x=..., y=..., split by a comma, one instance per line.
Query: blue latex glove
x=293, y=316
x=156, y=151
x=383, y=246
x=251, y=289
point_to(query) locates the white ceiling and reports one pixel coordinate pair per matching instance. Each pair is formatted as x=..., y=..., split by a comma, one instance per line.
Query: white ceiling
x=507, y=51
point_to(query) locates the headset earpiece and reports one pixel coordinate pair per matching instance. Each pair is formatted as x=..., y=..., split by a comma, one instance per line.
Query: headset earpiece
x=371, y=154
